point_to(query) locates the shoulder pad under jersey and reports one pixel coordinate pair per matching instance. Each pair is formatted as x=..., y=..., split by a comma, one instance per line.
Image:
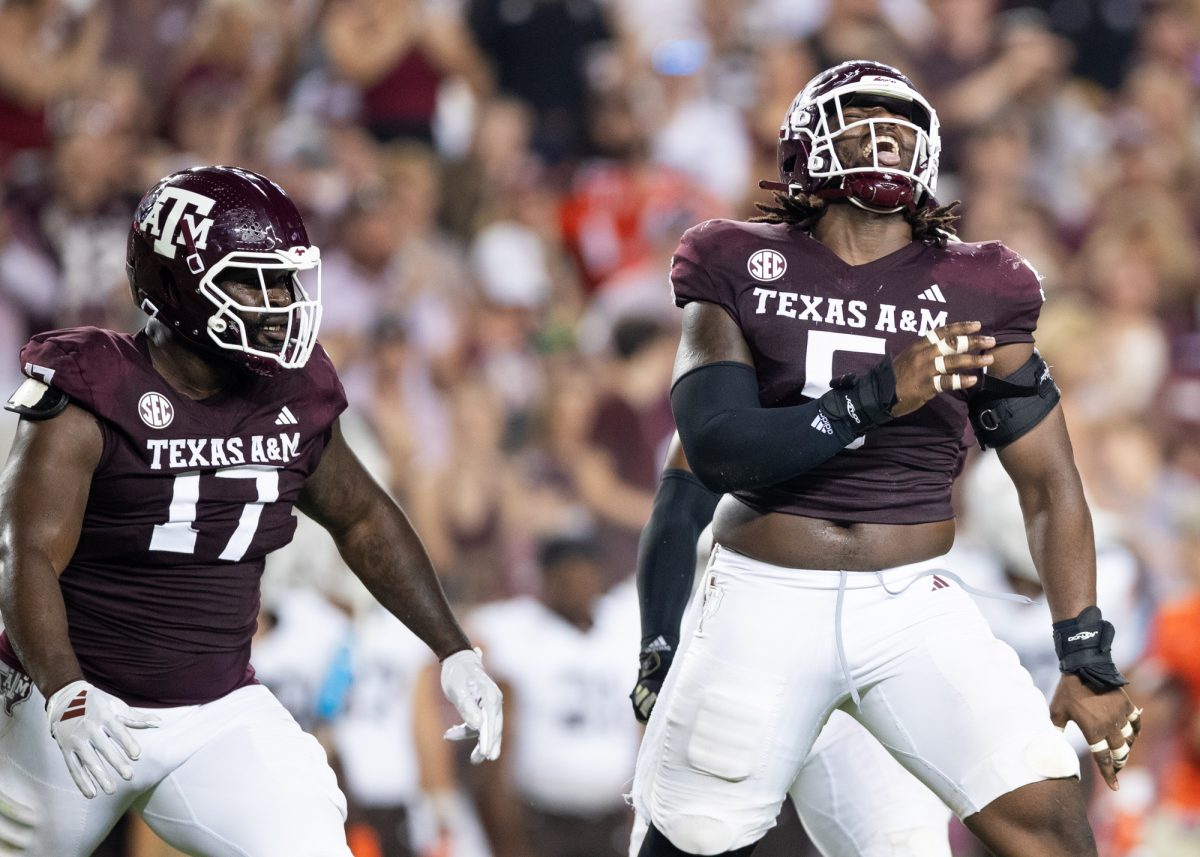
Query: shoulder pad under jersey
x=36, y=400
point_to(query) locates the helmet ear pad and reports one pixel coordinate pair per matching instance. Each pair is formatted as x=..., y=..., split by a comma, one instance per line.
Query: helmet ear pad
x=169, y=286
x=793, y=155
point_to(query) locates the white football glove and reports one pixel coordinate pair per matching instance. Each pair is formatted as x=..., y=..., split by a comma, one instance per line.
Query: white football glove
x=91, y=728
x=478, y=701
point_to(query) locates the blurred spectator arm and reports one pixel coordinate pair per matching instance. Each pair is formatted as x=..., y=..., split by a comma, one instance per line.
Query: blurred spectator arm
x=450, y=46
x=364, y=38
x=33, y=74
x=499, y=805
x=1025, y=57
x=435, y=759
x=606, y=494
x=429, y=518
x=433, y=754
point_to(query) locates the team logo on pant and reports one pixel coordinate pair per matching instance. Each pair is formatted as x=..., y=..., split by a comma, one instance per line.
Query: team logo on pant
x=14, y=687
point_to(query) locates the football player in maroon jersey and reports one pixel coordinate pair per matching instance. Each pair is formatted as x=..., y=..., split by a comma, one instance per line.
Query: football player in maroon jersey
x=832, y=354
x=150, y=477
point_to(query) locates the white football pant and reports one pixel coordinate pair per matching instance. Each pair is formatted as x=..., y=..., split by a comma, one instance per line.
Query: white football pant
x=768, y=653
x=236, y=777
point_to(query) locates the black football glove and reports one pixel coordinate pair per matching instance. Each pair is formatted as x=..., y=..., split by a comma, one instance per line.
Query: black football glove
x=655, y=662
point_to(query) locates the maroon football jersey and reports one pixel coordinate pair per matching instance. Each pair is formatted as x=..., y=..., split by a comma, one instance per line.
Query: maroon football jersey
x=810, y=317
x=188, y=499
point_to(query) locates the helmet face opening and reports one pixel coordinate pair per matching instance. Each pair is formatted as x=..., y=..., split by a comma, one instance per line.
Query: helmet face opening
x=211, y=249
x=817, y=124
x=249, y=318
x=910, y=110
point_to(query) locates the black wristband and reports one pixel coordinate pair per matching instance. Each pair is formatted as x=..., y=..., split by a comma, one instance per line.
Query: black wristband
x=1084, y=648
x=862, y=403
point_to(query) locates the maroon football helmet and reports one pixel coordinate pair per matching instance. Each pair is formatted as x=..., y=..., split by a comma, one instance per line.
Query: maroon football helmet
x=808, y=159
x=197, y=227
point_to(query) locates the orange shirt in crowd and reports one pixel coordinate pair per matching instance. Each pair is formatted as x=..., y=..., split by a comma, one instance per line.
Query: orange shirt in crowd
x=1174, y=644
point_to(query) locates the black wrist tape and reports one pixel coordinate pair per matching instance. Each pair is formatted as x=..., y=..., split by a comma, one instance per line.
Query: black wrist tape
x=1084, y=648
x=861, y=403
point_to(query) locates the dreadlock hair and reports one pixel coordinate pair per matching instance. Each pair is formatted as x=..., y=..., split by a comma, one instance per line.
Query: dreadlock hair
x=931, y=225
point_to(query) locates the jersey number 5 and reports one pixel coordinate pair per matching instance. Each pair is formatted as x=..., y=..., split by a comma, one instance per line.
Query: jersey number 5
x=178, y=535
x=818, y=361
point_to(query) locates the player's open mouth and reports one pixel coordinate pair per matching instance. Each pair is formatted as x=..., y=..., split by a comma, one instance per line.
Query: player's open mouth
x=886, y=150
x=270, y=336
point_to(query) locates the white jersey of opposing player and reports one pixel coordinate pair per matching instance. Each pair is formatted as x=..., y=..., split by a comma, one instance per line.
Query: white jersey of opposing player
x=293, y=658
x=993, y=537
x=373, y=735
x=574, y=739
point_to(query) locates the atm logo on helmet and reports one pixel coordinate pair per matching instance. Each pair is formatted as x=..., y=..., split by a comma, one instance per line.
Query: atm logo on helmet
x=183, y=210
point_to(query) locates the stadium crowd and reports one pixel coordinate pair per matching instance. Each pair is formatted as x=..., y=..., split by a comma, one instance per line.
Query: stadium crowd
x=497, y=187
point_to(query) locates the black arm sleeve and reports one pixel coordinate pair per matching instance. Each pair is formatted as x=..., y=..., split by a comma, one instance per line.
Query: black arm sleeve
x=734, y=444
x=666, y=558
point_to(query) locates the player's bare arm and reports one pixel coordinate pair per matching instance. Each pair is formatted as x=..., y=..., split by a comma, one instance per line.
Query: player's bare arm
x=1061, y=541
x=45, y=488
x=378, y=542
x=709, y=335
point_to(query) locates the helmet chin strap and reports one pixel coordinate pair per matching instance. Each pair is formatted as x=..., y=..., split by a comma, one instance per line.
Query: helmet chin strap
x=858, y=203
x=878, y=193
x=877, y=202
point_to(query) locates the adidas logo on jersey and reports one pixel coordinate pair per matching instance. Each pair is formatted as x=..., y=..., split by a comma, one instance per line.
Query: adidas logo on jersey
x=821, y=423
x=938, y=583
x=286, y=418
x=933, y=293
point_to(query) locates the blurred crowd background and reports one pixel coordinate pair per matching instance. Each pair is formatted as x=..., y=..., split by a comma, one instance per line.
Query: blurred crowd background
x=496, y=187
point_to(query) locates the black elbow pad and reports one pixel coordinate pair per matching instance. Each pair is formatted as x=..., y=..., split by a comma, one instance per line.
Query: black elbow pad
x=1005, y=409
